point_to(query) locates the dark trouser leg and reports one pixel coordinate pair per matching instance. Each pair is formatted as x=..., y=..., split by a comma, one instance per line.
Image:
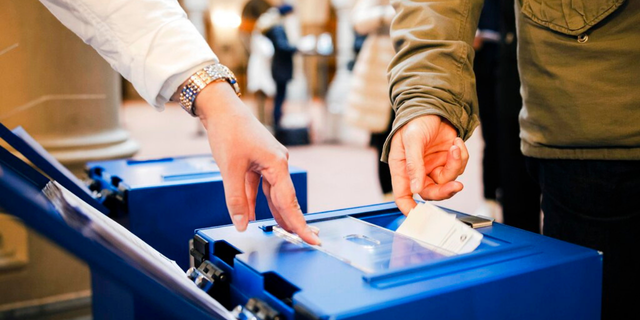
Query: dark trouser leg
x=485, y=68
x=377, y=140
x=281, y=94
x=592, y=203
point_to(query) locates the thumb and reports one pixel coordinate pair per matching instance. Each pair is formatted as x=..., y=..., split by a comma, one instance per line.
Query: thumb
x=414, y=153
x=233, y=181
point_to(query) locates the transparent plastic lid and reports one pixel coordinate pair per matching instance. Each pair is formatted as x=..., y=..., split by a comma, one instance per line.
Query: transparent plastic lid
x=368, y=247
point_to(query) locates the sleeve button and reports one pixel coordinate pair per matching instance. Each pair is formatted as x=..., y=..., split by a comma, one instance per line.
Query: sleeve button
x=583, y=38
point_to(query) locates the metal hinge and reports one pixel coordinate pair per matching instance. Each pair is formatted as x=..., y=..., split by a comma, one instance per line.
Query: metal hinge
x=206, y=275
x=256, y=309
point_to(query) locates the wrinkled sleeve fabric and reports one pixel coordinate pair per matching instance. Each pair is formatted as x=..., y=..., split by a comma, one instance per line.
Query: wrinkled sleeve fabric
x=432, y=71
x=151, y=43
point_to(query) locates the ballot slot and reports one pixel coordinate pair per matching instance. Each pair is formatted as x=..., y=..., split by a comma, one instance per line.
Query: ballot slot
x=200, y=167
x=190, y=175
x=410, y=267
x=133, y=162
x=366, y=246
x=156, y=172
x=369, y=243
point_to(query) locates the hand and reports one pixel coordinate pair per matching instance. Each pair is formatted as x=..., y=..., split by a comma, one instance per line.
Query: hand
x=426, y=157
x=477, y=43
x=244, y=150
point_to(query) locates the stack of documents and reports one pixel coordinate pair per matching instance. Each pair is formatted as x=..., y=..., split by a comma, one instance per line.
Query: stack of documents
x=432, y=225
x=95, y=225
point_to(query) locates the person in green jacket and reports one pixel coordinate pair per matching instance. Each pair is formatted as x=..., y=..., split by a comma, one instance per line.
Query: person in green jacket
x=579, y=64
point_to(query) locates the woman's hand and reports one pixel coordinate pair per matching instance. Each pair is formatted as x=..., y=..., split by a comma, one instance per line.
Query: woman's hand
x=244, y=150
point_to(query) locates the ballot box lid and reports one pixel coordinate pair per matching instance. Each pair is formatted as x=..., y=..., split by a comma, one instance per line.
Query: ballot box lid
x=21, y=195
x=364, y=268
x=146, y=173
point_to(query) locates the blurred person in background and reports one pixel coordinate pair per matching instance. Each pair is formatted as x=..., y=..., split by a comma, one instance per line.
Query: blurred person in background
x=259, y=79
x=368, y=105
x=153, y=45
x=271, y=25
x=485, y=67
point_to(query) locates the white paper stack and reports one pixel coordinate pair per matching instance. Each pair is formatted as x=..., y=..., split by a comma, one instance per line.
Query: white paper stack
x=432, y=225
x=95, y=225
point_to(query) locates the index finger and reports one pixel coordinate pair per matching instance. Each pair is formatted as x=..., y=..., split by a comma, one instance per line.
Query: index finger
x=401, y=185
x=282, y=196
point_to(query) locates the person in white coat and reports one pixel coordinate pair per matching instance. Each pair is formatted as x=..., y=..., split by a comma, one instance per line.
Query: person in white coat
x=259, y=80
x=368, y=105
x=153, y=45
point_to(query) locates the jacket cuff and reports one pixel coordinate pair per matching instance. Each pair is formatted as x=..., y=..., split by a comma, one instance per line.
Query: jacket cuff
x=464, y=123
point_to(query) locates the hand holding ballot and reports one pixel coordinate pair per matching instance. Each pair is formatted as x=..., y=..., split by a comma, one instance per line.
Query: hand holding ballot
x=432, y=225
x=426, y=157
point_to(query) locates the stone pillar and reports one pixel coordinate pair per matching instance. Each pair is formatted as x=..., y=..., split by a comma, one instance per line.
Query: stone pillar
x=68, y=98
x=58, y=88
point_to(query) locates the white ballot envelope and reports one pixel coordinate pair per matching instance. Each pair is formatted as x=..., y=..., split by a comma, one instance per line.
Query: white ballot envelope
x=430, y=224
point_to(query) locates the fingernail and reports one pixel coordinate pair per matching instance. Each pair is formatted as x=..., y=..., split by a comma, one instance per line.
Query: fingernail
x=414, y=185
x=315, y=239
x=238, y=222
x=456, y=152
x=314, y=230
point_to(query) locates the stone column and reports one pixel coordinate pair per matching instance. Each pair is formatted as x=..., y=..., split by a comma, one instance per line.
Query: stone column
x=58, y=88
x=68, y=98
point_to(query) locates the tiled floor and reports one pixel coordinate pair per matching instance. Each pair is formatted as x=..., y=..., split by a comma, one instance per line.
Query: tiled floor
x=339, y=175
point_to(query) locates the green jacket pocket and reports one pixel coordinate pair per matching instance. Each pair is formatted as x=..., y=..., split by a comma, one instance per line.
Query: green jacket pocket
x=570, y=17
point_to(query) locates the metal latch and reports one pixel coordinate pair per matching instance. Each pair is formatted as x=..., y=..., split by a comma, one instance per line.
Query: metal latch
x=206, y=275
x=256, y=309
x=109, y=190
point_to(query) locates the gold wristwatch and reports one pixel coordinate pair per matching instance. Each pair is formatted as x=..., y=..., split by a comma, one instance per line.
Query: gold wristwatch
x=200, y=79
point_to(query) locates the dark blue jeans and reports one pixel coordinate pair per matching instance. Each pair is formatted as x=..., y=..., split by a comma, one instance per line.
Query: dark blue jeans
x=593, y=203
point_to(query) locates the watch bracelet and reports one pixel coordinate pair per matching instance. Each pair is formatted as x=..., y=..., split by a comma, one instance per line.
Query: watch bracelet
x=200, y=79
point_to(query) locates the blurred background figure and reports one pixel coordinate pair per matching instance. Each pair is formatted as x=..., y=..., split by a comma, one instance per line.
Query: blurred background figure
x=486, y=69
x=259, y=51
x=520, y=196
x=368, y=105
x=259, y=79
x=270, y=24
x=358, y=41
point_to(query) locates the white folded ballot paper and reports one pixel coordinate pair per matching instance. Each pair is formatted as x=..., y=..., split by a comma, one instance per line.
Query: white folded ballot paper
x=432, y=225
x=95, y=225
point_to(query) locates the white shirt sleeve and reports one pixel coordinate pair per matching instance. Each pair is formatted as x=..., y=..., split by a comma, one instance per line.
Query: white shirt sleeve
x=150, y=42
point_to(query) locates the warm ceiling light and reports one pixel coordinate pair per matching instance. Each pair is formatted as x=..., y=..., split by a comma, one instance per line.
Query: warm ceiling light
x=226, y=19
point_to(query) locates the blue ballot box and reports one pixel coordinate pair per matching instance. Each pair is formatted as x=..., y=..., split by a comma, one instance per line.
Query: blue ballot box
x=133, y=283
x=364, y=270
x=163, y=201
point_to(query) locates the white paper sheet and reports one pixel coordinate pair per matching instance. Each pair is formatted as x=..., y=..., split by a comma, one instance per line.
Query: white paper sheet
x=430, y=224
x=95, y=225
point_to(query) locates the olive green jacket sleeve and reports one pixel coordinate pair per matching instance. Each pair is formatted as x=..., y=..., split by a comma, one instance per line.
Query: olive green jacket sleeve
x=432, y=71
